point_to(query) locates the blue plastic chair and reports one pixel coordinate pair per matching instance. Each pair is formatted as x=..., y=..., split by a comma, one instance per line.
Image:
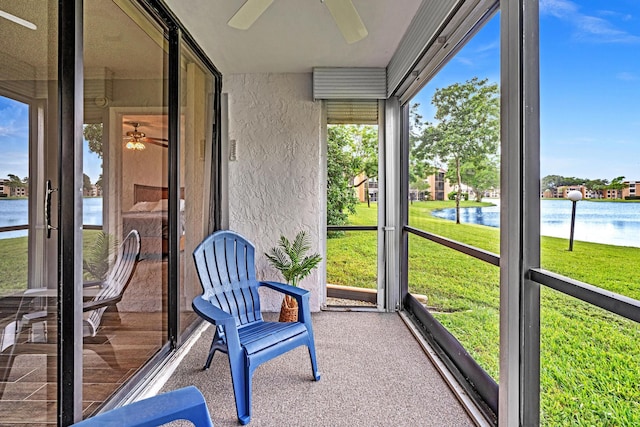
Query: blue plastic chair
x=225, y=265
x=183, y=404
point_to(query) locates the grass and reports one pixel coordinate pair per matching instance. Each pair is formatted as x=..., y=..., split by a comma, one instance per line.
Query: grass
x=14, y=262
x=589, y=358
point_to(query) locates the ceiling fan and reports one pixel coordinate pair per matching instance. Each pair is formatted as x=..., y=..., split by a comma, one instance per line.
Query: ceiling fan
x=136, y=139
x=343, y=12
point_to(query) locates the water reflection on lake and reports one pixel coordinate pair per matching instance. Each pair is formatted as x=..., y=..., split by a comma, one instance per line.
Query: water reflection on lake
x=612, y=223
x=15, y=212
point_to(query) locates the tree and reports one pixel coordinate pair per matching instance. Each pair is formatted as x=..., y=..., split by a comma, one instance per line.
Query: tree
x=364, y=149
x=98, y=183
x=481, y=174
x=467, y=127
x=422, y=187
x=86, y=184
x=618, y=185
x=16, y=181
x=551, y=182
x=419, y=167
x=341, y=199
x=596, y=186
x=352, y=150
x=93, y=134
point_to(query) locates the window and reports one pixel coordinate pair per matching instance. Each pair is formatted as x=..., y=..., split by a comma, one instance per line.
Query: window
x=456, y=222
x=586, y=76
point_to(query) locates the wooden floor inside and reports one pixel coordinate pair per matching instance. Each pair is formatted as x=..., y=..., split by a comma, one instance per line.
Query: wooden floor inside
x=125, y=342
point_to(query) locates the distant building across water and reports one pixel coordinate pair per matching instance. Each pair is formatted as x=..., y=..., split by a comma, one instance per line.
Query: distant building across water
x=628, y=192
x=8, y=190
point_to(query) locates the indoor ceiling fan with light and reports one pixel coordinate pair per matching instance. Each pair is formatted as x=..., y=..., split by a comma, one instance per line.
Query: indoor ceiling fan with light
x=343, y=12
x=135, y=139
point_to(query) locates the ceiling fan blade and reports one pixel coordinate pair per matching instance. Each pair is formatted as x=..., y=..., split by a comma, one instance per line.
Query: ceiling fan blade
x=248, y=13
x=156, y=141
x=347, y=19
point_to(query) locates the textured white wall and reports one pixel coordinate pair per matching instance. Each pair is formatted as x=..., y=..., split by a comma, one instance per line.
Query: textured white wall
x=276, y=185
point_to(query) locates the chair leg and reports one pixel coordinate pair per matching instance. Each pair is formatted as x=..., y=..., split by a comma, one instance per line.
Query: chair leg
x=314, y=362
x=212, y=350
x=216, y=344
x=241, y=378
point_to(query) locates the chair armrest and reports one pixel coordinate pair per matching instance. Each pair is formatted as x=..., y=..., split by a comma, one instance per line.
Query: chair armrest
x=40, y=292
x=293, y=291
x=212, y=313
x=29, y=317
x=93, y=283
x=93, y=305
x=301, y=296
x=182, y=404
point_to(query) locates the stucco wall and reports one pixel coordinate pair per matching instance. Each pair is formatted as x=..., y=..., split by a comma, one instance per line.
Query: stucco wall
x=275, y=183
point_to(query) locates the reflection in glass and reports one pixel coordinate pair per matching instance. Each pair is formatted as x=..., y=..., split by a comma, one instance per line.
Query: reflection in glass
x=28, y=261
x=196, y=144
x=125, y=99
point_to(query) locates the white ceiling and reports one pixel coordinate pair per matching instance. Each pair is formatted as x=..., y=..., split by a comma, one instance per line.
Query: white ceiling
x=294, y=35
x=108, y=33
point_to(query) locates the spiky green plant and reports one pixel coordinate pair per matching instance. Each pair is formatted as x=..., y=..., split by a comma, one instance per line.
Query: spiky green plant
x=289, y=258
x=98, y=256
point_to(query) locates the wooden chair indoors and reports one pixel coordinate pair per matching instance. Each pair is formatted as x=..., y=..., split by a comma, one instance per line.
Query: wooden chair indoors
x=30, y=332
x=230, y=301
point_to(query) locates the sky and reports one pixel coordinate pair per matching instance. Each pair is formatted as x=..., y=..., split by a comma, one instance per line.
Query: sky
x=589, y=91
x=14, y=138
x=589, y=85
x=14, y=143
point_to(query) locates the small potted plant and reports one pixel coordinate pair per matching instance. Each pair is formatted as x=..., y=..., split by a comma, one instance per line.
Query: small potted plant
x=291, y=260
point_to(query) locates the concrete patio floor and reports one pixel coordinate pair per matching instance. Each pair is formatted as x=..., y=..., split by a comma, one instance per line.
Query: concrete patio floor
x=374, y=373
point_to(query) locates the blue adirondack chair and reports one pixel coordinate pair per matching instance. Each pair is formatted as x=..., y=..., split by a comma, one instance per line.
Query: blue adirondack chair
x=225, y=265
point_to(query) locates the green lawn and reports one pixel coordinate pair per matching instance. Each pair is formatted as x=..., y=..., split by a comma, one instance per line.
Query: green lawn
x=13, y=262
x=590, y=359
x=590, y=373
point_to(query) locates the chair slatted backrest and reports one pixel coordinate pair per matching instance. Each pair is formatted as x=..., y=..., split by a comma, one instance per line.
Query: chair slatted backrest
x=118, y=277
x=226, y=267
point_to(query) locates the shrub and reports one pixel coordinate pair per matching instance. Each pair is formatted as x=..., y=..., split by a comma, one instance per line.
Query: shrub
x=453, y=194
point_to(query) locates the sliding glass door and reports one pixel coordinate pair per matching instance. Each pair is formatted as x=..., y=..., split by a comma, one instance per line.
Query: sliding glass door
x=106, y=180
x=125, y=194
x=29, y=138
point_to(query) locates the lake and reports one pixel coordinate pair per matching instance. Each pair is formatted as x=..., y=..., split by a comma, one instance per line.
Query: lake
x=611, y=223
x=14, y=212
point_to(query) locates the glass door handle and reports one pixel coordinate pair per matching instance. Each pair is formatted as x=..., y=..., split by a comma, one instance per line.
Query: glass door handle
x=47, y=208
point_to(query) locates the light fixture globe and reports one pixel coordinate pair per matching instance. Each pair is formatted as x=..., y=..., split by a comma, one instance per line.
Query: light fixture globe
x=135, y=137
x=574, y=195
